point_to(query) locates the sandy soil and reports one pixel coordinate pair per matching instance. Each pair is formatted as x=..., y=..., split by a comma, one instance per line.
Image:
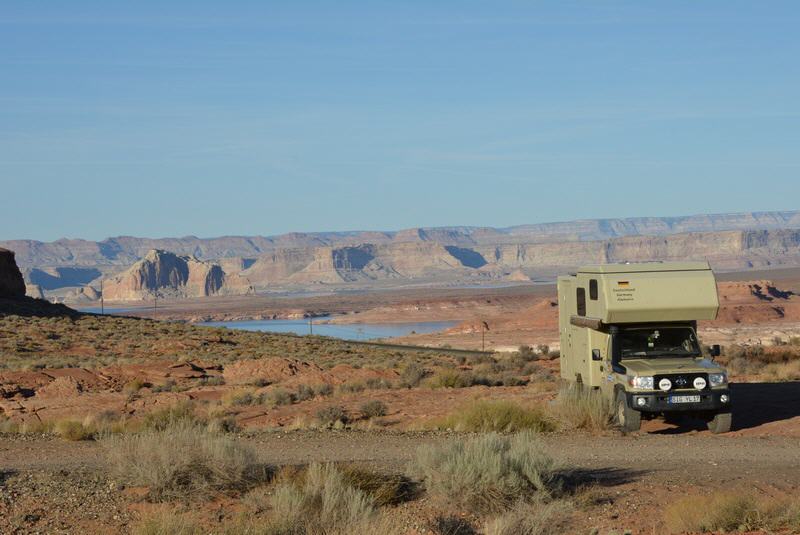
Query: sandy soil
x=55, y=486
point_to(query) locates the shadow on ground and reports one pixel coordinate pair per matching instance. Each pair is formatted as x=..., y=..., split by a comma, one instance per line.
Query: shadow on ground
x=754, y=404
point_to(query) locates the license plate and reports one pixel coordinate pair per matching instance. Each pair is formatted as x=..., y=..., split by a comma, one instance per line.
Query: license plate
x=684, y=399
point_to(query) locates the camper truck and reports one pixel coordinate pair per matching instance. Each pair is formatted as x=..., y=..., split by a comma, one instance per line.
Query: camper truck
x=630, y=331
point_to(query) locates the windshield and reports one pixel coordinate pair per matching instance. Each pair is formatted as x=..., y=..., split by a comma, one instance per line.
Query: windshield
x=658, y=342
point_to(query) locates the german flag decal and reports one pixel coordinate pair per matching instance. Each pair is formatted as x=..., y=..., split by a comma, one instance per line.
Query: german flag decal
x=623, y=283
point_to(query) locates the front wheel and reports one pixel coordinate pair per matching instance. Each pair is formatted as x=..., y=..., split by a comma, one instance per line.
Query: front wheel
x=628, y=419
x=720, y=423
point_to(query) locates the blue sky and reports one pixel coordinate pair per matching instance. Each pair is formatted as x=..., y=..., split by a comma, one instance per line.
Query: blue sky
x=213, y=118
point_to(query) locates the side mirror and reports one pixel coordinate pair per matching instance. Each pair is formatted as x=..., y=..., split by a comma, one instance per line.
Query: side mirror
x=715, y=350
x=596, y=354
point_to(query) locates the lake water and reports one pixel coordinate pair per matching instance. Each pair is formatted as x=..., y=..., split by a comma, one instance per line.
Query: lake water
x=107, y=310
x=350, y=331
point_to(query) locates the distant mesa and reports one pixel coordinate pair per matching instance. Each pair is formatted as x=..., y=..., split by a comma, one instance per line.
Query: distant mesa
x=169, y=275
x=133, y=268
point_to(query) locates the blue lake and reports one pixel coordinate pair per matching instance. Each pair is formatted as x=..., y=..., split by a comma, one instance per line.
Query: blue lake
x=350, y=331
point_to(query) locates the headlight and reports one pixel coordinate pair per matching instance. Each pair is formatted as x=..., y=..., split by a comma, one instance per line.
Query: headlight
x=717, y=379
x=645, y=383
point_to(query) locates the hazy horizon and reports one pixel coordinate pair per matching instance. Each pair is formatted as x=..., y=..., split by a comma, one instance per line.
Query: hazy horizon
x=393, y=231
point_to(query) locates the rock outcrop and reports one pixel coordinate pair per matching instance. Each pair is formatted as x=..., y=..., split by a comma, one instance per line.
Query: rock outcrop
x=11, y=282
x=168, y=275
x=34, y=290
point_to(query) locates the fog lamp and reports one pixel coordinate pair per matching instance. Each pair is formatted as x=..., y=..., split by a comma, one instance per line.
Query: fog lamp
x=665, y=384
x=724, y=398
x=700, y=383
x=641, y=402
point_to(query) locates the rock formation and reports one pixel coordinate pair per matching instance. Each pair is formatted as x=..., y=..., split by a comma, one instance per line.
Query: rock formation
x=168, y=275
x=11, y=281
x=34, y=290
x=450, y=255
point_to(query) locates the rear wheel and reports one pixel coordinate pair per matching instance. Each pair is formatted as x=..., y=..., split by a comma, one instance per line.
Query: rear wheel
x=627, y=418
x=720, y=423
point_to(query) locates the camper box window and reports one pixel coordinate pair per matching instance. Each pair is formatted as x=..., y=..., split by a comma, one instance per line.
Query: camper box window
x=581, y=301
x=593, y=289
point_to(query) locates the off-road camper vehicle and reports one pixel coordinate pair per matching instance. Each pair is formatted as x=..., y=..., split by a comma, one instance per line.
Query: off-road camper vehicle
x=630, y=330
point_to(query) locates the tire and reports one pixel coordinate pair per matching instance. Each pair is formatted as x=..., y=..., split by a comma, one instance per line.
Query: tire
x=629, y=420
x=720, y=423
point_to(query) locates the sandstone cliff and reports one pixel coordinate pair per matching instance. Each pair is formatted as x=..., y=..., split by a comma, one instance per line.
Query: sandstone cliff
x=11, y=281
x=169, y=275
x=125, y=250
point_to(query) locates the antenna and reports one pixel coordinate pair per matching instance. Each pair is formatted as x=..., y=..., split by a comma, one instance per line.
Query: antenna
x=102, y=303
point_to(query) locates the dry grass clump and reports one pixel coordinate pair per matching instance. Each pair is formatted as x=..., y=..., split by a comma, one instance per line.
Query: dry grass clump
x=776, y=363
x=74, y=430
x=182, y=461
x=535, y=518
x=182, y=412
x=333, y=415
x=487, y=474
x=166, y=522
x=583, y=408
x=732, y=512
x=496, y=416
x=325, y=502
x=374, y=408
x=383, y=488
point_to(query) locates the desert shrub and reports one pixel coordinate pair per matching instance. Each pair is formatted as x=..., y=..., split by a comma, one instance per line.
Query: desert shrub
x=498, y=416
x=374, y=408
x=73, y=430
x=554, y=354
x=787, y=371
x=488, y=473
x=451, y=379
x=536, y=518
x=583, y=408
x=222, y=424
x=412, y=375
x=732, y=512
x=527, y=353
x=304, y=393
x=324, y=390
x=324, y=503
x=350, y=388
x=279, y=397
x=377, y=383
x=167, y=386
x=238, y=398
x=178, y=413
x=212, y=380
x=383, y=488
x=133, y=386
x=451, y=525
x=794, y=341
x=166, y=522
x=182, y=461
x=331, y=415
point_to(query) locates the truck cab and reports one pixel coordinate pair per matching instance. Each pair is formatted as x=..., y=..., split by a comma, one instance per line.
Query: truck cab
x=630, y=331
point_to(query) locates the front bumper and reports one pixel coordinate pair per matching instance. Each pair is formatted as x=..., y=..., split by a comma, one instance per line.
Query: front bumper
x=659, y=401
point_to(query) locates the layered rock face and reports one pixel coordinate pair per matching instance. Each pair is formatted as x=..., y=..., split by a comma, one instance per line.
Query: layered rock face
x=11, y=282
x=169, y=275
x=125, y=250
